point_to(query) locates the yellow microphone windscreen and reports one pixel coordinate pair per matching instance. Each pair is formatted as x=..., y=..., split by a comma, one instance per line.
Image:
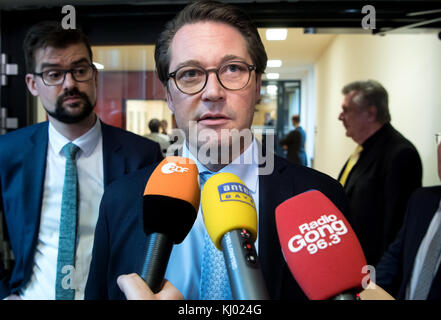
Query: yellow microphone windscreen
x=227, y=204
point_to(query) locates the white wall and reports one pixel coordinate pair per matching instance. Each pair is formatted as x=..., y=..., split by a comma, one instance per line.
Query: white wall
x=408, y=66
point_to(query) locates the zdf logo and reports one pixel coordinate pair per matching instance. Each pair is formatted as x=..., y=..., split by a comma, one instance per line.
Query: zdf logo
x=171, y=167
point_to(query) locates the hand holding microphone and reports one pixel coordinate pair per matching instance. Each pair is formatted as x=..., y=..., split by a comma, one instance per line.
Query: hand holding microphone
x=135, y=288
x=231, y=221
x=171, y=202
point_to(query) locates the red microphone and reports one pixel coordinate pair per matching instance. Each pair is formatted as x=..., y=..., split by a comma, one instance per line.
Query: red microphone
x=320, y=247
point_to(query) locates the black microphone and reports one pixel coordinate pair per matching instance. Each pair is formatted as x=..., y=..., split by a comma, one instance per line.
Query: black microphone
x=170, y=207
x=231, y=221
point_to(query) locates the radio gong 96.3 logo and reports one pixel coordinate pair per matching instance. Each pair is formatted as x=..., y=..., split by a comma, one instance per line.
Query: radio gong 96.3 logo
x=318, y=235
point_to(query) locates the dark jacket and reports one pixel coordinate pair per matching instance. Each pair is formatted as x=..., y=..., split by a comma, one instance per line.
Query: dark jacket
x=23, y=156
x=378, y=187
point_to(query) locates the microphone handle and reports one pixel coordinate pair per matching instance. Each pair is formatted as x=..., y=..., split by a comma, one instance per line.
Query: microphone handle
x=348, y=295
x=243, y=268
x=159, y=247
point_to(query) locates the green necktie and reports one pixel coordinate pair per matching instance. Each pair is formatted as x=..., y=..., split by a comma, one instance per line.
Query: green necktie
x=64, y=286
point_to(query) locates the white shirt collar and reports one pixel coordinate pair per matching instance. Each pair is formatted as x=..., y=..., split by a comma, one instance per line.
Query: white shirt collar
x=245, y=166
x=87, y=142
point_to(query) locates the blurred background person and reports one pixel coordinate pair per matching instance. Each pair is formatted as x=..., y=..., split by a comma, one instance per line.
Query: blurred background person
x=164, y=126
x=294, y=143
x=382, y=173
x=155, y=135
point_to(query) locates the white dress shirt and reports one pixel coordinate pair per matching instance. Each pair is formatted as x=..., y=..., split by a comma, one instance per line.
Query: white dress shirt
x=184, y=267
x=89, y=160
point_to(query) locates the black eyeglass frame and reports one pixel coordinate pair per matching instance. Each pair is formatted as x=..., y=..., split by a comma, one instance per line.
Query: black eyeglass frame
x=250, y=68
x=65, y=71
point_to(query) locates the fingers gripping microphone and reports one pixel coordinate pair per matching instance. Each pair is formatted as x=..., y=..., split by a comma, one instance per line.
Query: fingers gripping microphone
x=171, y=202
x=320, y=247
x=231, y=221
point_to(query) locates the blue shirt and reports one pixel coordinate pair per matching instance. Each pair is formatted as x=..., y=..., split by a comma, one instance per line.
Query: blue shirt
x=184, y=267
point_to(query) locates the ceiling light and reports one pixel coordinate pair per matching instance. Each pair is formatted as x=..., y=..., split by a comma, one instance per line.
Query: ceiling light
x=99, y=66
x=272, y=76
x=271, y=89
x=274, y=63
x=276, y=34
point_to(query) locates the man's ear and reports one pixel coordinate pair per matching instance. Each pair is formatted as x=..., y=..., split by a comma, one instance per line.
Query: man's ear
x=258, y=86
x=372, y=113
x=96, y=79
x=170, y=103
x=31, y=84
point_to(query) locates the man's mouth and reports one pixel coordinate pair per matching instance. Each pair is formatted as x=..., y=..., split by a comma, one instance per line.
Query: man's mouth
x=72, y=99
x=211, y=119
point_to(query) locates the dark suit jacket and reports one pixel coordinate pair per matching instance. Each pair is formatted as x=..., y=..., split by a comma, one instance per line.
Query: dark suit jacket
x=120, y=242
x=295, y=141
x=378, y=187
x=394, y=271
x=22, y=171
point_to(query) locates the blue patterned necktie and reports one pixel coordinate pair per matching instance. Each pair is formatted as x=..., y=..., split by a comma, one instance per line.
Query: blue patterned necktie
x=429, y=266
x=64, y=285
x=214, y=278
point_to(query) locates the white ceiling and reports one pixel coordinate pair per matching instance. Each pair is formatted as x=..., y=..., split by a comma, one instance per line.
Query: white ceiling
x=298, y=52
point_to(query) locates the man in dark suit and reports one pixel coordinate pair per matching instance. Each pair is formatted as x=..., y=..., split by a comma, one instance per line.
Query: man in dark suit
x=32, y=163
x=294, y=143
x=401, y=267
x=387, y=172
x=210, y=58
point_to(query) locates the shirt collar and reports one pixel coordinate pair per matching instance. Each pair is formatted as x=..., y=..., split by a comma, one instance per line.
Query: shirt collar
x=245, y=166
x=376, y=136
x=87, y=142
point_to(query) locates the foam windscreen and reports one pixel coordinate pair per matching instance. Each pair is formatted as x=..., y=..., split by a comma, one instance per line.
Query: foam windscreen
x=319, y=246
x=227, y=204
x=171, y=198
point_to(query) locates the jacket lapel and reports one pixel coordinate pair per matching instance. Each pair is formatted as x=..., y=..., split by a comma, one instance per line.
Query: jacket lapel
x=273, y=189
x=114, y=161
x=418, y=229
x=34, y=169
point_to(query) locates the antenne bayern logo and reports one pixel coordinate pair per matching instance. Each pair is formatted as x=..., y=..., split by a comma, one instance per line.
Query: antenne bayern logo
x=172, y=167
x=234, y=191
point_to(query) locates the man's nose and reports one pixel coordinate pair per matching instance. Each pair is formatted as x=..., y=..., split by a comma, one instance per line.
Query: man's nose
x=69, y=81
x=340, y=116
x=213, y=89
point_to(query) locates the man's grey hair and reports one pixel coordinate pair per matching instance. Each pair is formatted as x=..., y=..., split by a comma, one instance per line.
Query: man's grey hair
x=370, y=93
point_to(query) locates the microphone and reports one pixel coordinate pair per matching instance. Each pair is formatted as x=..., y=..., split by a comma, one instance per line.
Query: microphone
x=231, y=221
x=320, y=247
x=170, y=207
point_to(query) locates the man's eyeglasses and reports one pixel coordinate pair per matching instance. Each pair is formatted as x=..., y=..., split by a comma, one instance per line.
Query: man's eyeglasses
x=56, y=77
x=233, y=75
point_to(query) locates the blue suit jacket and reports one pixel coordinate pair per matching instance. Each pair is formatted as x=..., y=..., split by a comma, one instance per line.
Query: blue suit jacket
x=22, y=170
x=120, y=242
x=394, y=270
